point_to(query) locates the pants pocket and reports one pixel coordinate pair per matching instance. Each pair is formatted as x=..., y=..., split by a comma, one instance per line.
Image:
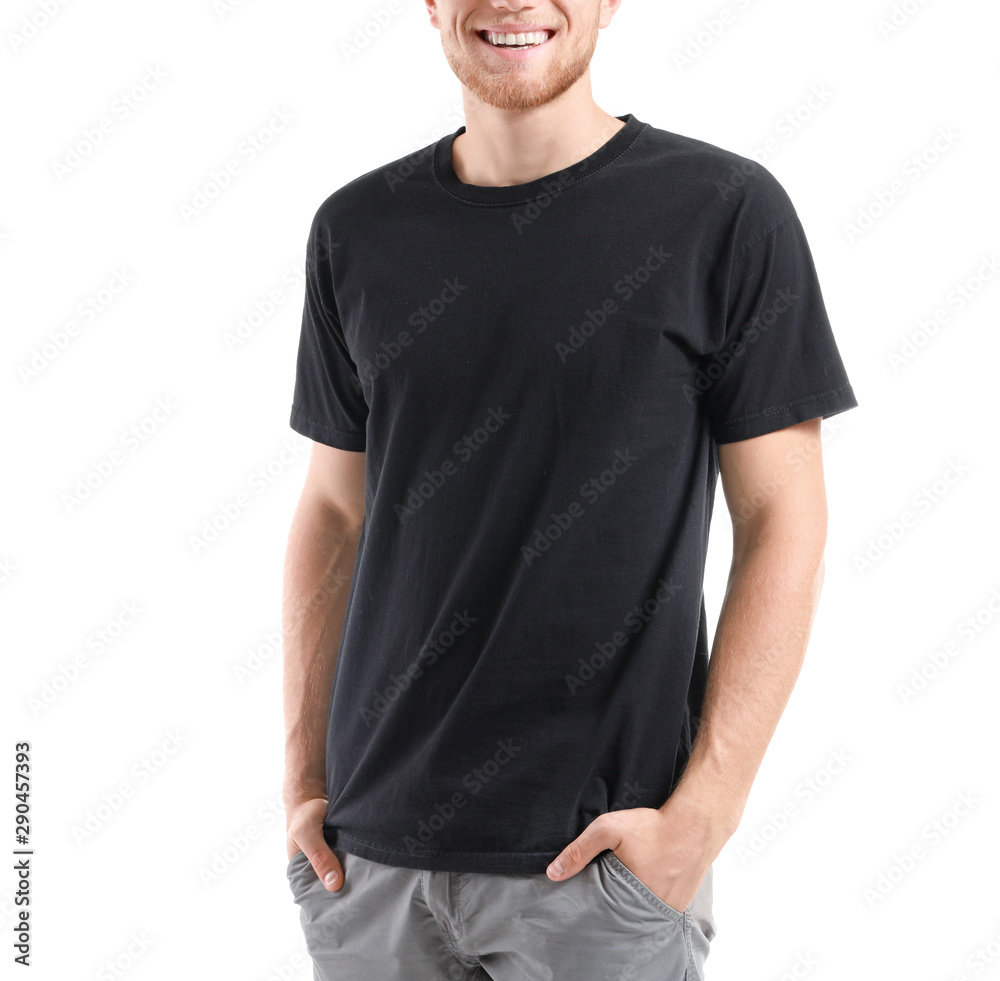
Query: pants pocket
x=618, y=868
x=300, y=874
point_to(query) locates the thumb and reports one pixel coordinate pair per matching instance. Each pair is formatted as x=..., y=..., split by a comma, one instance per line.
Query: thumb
x=305, y=829
x=592, y=841
x=325, y=863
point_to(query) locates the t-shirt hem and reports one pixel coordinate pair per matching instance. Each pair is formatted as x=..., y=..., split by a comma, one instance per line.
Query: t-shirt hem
x=823, y=404
x=320, y=431
x=498, y=863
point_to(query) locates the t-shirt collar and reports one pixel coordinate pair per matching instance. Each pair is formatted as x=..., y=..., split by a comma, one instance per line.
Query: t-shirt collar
x=522, y=193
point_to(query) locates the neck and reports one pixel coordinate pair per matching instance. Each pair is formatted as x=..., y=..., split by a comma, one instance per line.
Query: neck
x=499, y=148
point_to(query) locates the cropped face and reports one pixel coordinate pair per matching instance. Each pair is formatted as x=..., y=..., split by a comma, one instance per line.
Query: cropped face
x=518, y=55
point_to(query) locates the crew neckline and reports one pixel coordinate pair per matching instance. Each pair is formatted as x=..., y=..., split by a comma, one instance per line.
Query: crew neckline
x=507, y=194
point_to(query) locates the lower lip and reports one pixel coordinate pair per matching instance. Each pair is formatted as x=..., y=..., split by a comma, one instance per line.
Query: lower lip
x=513, y=55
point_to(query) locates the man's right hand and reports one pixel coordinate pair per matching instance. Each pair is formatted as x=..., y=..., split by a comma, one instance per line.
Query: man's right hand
x=304, y=827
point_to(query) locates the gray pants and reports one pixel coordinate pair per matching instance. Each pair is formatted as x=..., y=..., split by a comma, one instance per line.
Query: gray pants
x=396, y=924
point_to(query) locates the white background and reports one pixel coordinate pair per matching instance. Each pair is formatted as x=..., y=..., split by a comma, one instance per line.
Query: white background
x=193, y=859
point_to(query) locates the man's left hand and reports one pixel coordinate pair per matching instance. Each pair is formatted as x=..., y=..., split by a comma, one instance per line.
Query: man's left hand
x=668, y=849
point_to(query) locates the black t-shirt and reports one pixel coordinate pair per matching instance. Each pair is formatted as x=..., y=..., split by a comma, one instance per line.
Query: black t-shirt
x=539, y=375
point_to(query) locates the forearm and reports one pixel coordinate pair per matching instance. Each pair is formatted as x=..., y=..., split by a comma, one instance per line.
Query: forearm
x=759, y=646
x=318, y=564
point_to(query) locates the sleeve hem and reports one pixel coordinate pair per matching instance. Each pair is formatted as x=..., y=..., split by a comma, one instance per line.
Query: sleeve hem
x=322, y=432
x=823, y=405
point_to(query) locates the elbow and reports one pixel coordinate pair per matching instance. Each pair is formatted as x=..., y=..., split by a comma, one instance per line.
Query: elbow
x=799, y=540
x=340, y=519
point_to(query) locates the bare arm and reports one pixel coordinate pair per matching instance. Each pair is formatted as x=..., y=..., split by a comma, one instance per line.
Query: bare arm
x=322, y=546
x=776, y=497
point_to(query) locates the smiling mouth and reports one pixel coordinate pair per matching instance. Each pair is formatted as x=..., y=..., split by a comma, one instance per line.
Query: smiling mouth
x=521, y=41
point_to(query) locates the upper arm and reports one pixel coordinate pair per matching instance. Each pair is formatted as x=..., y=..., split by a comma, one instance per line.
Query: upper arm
x=774, y=484
x=336, y=479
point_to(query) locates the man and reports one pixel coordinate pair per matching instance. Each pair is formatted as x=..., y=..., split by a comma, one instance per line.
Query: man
x=527, y=353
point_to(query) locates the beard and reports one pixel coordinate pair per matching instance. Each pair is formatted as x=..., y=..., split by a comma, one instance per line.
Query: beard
x=515, y=86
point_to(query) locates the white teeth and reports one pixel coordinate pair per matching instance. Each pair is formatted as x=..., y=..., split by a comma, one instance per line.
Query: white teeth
x=532, y=38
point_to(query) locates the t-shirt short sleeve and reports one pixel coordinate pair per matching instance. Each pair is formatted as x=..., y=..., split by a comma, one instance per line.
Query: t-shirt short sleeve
x=778, y=363
x=328, y=403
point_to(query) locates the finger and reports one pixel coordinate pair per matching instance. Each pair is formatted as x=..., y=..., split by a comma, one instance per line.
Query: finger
x=578, y=853
x=322, y=858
